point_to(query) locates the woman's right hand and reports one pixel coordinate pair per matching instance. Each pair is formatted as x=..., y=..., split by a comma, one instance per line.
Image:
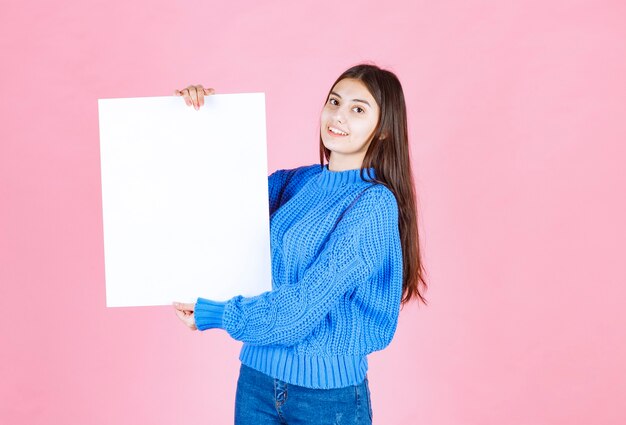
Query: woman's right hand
x=194, y=95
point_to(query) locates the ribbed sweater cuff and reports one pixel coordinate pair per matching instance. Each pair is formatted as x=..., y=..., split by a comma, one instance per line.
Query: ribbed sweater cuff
x=208, y=314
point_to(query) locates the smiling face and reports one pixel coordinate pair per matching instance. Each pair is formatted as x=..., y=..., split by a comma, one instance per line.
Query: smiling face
x=348, y=121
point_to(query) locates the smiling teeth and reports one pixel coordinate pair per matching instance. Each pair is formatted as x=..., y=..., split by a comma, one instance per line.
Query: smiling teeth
x=334, y=130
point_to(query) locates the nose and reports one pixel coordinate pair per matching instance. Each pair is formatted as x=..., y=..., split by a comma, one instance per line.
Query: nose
x=338, y=116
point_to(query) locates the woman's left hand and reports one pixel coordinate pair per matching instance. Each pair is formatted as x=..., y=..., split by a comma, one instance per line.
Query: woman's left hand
x=185, y=314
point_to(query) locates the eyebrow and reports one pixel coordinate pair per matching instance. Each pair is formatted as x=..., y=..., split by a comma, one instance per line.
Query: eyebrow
x=355, y=100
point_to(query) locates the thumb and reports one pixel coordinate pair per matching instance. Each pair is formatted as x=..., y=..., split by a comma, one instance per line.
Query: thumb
x=184, y=306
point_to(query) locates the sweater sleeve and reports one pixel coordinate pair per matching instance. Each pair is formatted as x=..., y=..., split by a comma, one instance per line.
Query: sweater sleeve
x=355, y=249
x=281, y=183
x=275, y=183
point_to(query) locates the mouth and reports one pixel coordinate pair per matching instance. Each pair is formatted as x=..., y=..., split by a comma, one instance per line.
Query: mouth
x=334, y=131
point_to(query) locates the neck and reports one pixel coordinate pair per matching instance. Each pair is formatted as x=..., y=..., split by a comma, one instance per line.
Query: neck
x=343, y=163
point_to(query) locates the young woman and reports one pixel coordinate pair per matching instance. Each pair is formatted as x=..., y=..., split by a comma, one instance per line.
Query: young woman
x=345, y=256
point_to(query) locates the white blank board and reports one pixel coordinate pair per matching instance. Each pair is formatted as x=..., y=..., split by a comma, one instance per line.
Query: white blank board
x=184, y=199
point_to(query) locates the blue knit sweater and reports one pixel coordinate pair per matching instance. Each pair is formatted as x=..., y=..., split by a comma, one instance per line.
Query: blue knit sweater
x=336, y=284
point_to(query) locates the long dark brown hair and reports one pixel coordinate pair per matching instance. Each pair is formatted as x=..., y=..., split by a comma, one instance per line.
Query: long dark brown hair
x=388, y=154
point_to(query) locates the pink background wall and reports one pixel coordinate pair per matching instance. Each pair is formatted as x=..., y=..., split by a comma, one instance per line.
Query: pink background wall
x=517, y=123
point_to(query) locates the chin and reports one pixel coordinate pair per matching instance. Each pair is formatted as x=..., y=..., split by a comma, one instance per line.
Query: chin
x=332, y=147
x=326, y=144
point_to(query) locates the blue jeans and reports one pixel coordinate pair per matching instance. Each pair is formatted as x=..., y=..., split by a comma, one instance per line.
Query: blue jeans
x=262, y=400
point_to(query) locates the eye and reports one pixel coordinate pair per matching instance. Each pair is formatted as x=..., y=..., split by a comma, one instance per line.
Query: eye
x=333, y=101
x=358, y=109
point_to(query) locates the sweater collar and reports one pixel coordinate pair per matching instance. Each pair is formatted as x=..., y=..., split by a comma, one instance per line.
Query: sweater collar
x=331, y=179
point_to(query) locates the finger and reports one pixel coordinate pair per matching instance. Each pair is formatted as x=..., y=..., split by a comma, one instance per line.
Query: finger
x=200, y=92
x=209, y=91
x=192, y=324
x=188, y=306
x=185, y=94
x=185, y=319
x=180, y=315
x=194, y=96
